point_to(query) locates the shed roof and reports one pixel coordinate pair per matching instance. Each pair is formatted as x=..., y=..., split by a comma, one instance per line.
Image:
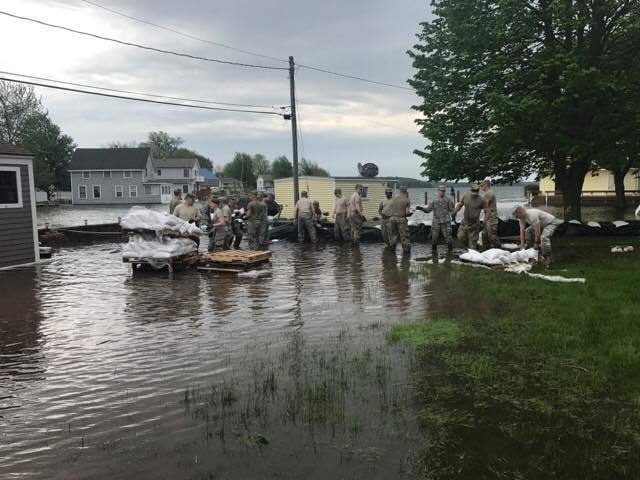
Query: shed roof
x=207, y=174
x=9, y=149
x=109, y=159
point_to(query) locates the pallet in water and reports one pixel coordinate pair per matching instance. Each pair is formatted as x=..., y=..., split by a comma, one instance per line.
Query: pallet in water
x=234, y=261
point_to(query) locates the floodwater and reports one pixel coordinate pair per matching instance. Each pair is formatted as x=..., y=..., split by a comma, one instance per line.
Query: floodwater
x=109, y=374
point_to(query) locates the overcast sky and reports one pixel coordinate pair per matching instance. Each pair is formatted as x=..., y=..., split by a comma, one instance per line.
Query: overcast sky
x=342, y=121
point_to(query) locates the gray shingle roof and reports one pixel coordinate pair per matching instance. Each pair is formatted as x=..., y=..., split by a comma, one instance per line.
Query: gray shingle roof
x=8, y=149
x=109, y=159
x=174, y=162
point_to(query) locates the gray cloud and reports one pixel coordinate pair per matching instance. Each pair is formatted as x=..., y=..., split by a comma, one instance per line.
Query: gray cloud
x=343, y=121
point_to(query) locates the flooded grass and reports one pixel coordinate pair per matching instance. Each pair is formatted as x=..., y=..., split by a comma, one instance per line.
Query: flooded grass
x=545, y=383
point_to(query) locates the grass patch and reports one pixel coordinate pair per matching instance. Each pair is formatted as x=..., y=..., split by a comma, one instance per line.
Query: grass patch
x=545, y=383
x=428, y=333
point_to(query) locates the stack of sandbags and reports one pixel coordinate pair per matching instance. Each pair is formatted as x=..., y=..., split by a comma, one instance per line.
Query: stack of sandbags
x=159, y=249
x=497, y=256
x=141, y=218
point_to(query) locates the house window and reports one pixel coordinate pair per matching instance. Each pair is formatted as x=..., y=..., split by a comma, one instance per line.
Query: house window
x=106, y=174
x=86, y=174
x=166, y=190
x=97, y=192
x=185, y=173
x=185, y=188
x=119, y=192
x=133, y=191
x=159, y=172
x=126, y=174
x=147, y=189
x=365, y=191
x=10, y=187
x=82, y=192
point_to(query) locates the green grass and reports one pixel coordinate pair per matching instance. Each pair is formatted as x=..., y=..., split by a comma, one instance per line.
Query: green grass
x=541, y=382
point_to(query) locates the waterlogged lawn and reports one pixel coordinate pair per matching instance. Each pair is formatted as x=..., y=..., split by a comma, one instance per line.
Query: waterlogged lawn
x=540, y=380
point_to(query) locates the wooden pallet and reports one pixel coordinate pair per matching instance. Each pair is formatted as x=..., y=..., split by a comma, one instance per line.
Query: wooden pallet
x=233, y=261
x=180, y=262
x=244, y=257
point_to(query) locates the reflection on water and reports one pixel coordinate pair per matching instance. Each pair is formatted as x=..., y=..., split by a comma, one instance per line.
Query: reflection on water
x=105, y=374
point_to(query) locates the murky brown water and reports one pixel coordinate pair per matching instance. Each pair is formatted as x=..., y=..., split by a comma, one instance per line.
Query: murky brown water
x=105, y=374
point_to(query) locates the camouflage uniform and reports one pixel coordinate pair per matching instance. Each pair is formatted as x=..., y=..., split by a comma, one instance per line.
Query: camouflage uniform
x=253, y=225
x=491, y=223
x=228, y=233
x=341, y=224
x=384, y=210
x=216, y=235
x=470, y=228
x=441, y=222
x=398, y=225
x=263, y=228
x=355, y=218
x=305, y=220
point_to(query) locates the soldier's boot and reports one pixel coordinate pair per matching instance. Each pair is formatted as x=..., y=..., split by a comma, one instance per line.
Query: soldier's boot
x=434, y=253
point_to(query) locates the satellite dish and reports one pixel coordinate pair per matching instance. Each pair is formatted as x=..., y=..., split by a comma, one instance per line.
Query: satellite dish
x=368, y=170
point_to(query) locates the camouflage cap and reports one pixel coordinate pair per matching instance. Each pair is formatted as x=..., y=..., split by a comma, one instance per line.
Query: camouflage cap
x=388, y=190
x=475, y=187
x=442, y=188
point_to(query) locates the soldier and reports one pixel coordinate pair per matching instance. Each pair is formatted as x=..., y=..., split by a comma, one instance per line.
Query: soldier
x=273, y=207
x=340, y=211
x=253, y=221
x=469, y=229
x=441, y=207
x=263, y=231
x=218, y=225
x=304, y=218
x=383, y=211
x=398, y=225
x=226, y=211
x=236, y=223
x=176, y=200
x=491, y=221
x=356, y=218
x=187, y=211
x=541, y=227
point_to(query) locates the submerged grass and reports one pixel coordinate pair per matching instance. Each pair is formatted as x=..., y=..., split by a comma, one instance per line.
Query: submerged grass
x=543, y=384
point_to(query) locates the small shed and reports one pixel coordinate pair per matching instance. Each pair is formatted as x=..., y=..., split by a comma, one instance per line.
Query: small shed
x=19, y=232
x=321, y=189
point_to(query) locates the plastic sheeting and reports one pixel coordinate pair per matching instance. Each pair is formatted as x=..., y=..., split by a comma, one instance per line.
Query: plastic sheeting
x=141, y=218
x=158, y=249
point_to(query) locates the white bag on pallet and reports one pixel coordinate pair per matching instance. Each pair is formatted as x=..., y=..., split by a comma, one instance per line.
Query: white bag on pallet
x=162, y=249
x=141, y=218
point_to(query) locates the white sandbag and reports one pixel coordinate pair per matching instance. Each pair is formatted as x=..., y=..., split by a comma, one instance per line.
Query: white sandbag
x=254, y=273
x=620, y=223
x=557, y=278
x=575, y=222
x=497, y=256
x=141, y=218
x=160, y=249
x=594, y=224
x=638, y=211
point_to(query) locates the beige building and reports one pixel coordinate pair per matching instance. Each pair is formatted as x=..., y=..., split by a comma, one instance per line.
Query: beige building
x=598, y=183
x=321, y=189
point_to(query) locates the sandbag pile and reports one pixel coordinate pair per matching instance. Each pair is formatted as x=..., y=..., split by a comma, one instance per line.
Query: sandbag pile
x=162, y=248
x=141, y=218
x=497, y=256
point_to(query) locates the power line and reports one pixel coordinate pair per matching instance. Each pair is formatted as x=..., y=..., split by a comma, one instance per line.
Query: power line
x=194, y=37
x=183, y=34
x=136, y=93
x=145, y=100
x=144, y=47
x=353, y=77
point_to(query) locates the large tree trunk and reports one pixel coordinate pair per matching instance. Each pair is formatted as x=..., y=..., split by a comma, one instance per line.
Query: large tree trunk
x=618, y=180
x=570, y=178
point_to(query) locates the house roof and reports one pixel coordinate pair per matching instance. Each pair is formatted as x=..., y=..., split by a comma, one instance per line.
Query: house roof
x=8, y=149
x=109, y=159
x=174, y=162
x=207, y=174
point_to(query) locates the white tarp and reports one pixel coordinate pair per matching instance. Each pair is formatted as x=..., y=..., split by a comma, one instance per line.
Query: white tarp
x=141, y=218
x=160, y=249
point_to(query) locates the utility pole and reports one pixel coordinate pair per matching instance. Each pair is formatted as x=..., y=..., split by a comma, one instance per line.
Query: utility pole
x=294, y=129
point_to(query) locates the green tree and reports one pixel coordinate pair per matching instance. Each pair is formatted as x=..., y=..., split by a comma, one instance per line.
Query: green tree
x=513, y=87
x=312, y=169
x=204, y=162
x=241, y=168
x=51, y=148
x=261, y=165
x=281, y=167
x=162, y=144
x=17, y=103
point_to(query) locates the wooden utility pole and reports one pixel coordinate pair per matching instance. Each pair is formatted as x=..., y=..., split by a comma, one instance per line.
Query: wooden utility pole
x=294, y=129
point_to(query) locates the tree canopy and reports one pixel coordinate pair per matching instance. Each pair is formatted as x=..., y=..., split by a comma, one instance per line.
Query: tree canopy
x=312, y=169
x=513, y=87
x=163, y=145
x=281, y=167
x=18, y=103
x=241, y=168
